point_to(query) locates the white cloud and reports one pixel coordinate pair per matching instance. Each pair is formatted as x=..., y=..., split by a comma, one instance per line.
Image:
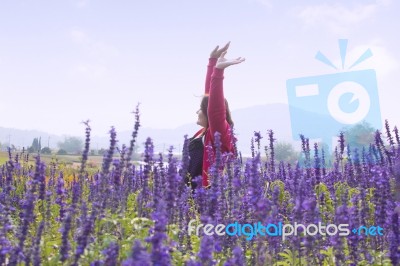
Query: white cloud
x=3, y=106
x=384, y=2
x=266, y=3
x=92, y=71
x=82, y=3
x=103, y=49
x=78, y=36
x=382, y=60
x=96, y=54
x=95, y=48
x=337, y=17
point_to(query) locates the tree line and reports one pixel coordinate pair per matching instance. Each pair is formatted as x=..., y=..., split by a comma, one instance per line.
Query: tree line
x=357, y=136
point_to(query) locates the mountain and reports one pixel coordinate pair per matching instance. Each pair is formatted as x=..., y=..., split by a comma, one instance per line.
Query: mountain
x=262, y=118
x=23, y=138
x=257, y=118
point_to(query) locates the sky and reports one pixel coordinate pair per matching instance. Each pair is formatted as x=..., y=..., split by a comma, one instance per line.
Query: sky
x=63, y=62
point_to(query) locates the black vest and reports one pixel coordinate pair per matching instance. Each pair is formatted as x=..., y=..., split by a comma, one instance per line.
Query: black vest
x=196, y=149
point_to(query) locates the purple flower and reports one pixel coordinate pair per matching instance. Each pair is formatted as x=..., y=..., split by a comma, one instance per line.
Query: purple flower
x=139, y=256
x=116, y=175
x=37, y=260
x=396, y=173
x=185, y=158
x=317, y=165
x=363, y=220
x=144, y=197
x=394, y=238
x=193, y=263
x=341, y=145
x=252, y=148
x=341, y=217
x=27, y=216
x=157, y=184
x=107, y=160
x=134, y=136
x=85, y=231
x=272, y=153
x=76, y=193
x=257, y=139
x=111, y=254
x=171, y=186
x=388, y=134
x=5, y=228
x=396, y=133
x=64, y=230
x=200, y=197
x=205, y=254
x=353, y=239
x=85, y=152
x=238, y=258
x=381, y=196
x=159, y=252
x=184, y=214
x=39, y=182
x=380, y=147
x=61, y=196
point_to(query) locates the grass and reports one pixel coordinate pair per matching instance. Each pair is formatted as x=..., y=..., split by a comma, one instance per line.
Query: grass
x=71, y=160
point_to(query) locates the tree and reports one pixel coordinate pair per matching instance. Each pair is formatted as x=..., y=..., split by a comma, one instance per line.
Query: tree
x=45, y=150
x=71, y=145
x=35, y=147
x=284, y=151
x=61, y=152
x=101, y=152
x=359, y=136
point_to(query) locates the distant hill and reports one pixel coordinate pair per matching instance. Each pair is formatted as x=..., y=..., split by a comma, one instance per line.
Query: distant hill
x=247, y=120
x=258, y=118
x=262, y=118
x=23, y=138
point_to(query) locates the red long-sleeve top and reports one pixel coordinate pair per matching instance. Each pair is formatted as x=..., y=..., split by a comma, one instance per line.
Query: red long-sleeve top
x=216, y=118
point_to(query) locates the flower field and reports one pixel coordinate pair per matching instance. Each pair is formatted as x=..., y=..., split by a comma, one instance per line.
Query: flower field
x=125, y=214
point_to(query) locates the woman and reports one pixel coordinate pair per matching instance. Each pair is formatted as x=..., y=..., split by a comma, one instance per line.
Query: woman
x=213, y=116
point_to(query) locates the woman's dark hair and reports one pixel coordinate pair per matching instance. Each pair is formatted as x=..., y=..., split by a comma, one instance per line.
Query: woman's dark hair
x=204, y=107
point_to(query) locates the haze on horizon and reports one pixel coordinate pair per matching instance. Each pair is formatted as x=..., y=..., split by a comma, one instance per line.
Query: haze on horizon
x=63, y=62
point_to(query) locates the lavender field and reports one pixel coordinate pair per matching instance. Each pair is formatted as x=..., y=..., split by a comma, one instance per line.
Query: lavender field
x=124, y=214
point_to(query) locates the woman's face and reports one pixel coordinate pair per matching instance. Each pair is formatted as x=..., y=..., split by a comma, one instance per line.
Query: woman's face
x=202, y=119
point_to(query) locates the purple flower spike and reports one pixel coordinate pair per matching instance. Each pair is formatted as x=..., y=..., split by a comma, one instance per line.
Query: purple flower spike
x=206, y=251
x=139, y=256
x=134, y=136
x=238, y=258
x=37, y=259
x=85, y=154
x=159, y=253
x=111, y=254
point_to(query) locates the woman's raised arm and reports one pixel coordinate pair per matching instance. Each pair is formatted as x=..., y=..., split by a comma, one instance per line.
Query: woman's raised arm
x=214, y=55
x=216, y=103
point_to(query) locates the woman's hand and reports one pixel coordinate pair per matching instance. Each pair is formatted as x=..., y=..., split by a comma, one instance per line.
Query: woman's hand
x=223, y=63
x=216, y=53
